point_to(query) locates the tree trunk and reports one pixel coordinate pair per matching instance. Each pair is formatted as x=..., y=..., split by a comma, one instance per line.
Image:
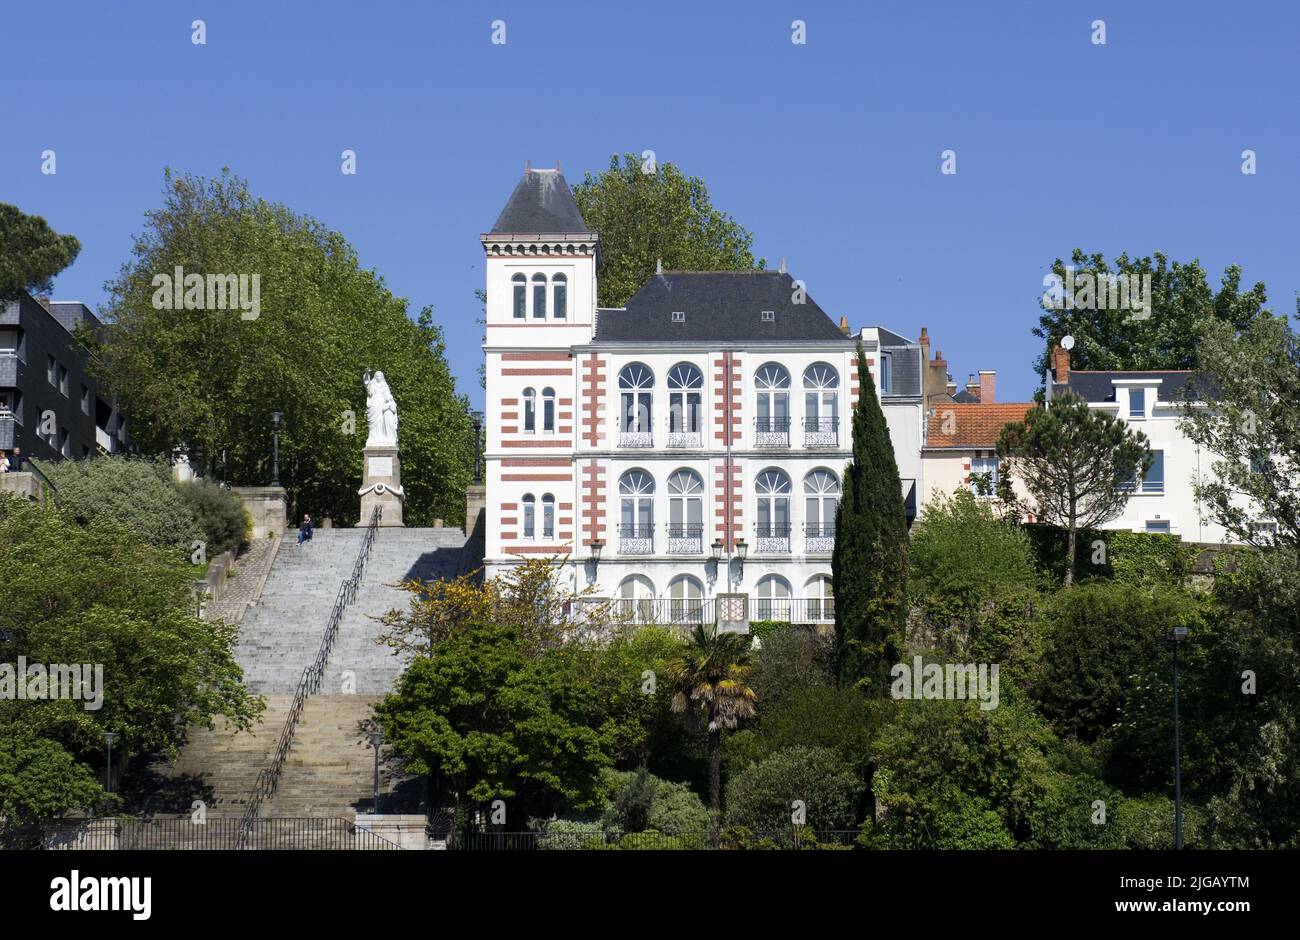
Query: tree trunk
x=715, y=769
x=1069, y=560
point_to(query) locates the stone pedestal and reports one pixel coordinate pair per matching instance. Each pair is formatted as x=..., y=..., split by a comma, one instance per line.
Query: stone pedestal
x=381, y=485
x=266, y=504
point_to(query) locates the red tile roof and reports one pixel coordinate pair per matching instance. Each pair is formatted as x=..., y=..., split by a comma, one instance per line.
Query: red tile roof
x=967, y=426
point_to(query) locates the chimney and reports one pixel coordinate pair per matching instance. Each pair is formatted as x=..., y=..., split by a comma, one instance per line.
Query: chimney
x=844, y=326
x=972, y=387
x=528, y=166
x=988, y=380
x=1060, y=364
x=783, y=265
x=43, y=301
x=952, y=386
x=924, y=343
x=557, y=166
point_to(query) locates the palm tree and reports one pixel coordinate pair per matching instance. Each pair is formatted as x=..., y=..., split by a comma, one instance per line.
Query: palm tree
x=710, y=678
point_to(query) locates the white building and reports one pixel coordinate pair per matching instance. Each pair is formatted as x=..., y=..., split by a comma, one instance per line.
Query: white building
x=689, y=444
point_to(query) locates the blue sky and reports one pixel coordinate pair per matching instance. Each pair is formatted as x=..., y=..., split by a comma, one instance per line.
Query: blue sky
x=828, y=152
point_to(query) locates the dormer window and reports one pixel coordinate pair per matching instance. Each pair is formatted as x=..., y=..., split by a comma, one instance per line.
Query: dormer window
x=884, y=373
x=1137, y=402
x=520, y=285
x=679, y=316
x=769, y=316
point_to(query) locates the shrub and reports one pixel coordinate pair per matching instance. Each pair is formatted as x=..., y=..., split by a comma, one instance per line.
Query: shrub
x=130, y=491
x=571, y=834
x=760, y=797
x=640, y=801
x=1130, y=557
x=220, y=514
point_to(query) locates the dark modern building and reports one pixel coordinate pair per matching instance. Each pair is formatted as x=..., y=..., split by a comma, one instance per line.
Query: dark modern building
x=50, y=406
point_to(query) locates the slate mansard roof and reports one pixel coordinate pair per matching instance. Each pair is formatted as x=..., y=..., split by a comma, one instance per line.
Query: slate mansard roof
x=718, y=307
x=542, y=203
x=1099, y=386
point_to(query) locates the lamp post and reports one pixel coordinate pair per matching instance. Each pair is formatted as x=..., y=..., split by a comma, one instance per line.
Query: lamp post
x=109, y=737
x=275, y=466
x=1176, y=636
x=376, y=739
x=742, y=551
x=597, y=546
x=478, y=446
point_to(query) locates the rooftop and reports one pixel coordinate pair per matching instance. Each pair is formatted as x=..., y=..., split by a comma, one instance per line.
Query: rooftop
x=541, y=203
x=968, y=426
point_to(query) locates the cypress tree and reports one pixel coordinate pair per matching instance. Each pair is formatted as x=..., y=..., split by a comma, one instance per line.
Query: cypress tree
x=869, y=566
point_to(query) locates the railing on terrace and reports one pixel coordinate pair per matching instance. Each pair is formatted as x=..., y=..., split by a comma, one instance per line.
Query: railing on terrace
x=690, y=611
x=169, y=833
x=308, y=684
x=576, y=839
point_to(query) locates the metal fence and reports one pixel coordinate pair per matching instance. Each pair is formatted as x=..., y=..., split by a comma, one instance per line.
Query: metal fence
x=308, y=684
x=179, y=833
x=578, y=839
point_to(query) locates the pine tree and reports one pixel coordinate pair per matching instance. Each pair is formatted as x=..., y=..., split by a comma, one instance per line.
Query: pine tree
x=869, y=567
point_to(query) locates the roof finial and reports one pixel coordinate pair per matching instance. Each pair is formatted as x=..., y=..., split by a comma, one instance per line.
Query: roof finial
x=659, y=265
x=528, y=166
x=557, y=166
x=783, y=265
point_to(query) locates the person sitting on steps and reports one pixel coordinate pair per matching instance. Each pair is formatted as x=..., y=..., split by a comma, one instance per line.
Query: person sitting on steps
x=304, y=530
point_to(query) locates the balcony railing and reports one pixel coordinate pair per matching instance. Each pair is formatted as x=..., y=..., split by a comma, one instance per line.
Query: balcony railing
x=686, y=612
x=792, y=609
x=771, y=432
x=636, y=539
x=819, y=539
x=821, y=432
x=664, y=611
x=636, y=438
x=104, y=440
x=681, y=434
x=686, y=539
x=772, y=539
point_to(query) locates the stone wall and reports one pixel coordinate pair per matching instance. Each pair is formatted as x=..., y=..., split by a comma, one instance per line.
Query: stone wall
x=267, y=506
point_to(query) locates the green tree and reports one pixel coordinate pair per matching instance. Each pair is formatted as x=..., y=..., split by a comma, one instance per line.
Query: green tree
x=869, y=564
x=1250, y=422
x=646, y=216
x=210, y=379
x=761, y=797
x=31, y=253
x=1165, y=337
x=710, y=681
x=1074, y=461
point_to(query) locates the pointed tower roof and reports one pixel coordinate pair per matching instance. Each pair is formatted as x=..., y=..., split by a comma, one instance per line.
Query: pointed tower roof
x=541, y=203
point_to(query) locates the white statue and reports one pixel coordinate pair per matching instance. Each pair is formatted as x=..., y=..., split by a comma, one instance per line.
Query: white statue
x=381, y=411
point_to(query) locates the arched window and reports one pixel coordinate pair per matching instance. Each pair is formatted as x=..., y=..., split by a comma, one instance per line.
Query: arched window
x=548, y=516
x=821, y=494
x=686, y=600
x=819, y=600
x=548, y=410
x=636, y=409
x=539, y=296
x=821, y=404
x=772, y=426
x=773, y=598
x=773, y=530
x=685, y=406
x=530, y=516
x=560, y=291
x=636, y=490
x=519, y=284
x=685, y=512
x=530, y=409
x=636, y=596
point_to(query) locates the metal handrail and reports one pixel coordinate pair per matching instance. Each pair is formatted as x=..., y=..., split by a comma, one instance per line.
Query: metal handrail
x=308, y=684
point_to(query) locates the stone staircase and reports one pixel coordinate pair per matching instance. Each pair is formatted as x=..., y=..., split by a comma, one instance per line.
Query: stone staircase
x=329, y=771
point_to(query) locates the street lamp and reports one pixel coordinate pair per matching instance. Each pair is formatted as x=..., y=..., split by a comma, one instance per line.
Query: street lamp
x=275, y=425
x=376, y=739
x=1175, y=637
x=742, y=551
x=478, y=445
x=109, y=737
x=597, y=546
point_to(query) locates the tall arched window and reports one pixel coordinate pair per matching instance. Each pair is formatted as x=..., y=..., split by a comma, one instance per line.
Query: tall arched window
x=548, y=410
x=530, y=516
x=685, y=512
x=773, y=598
x=530, y=409
x=560, y=290
x=548, y=516
x=539, y=296
x=686, y=600
x=685, y=406
x=773, y=530
x=636, y=409
x=821, y=494
x=819, y=600
x=821, y=405
x=636, y=490
x=519, y=284
x=636, y=596
x=772, y=426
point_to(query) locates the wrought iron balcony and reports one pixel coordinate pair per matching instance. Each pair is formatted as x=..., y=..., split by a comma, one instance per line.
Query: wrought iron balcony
x=772, y=539
x=686, y=539
x=681, y=434
x=636, y=539
x=771, y=432
x=628, y=438
x=821, y=432
x=819, y=539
